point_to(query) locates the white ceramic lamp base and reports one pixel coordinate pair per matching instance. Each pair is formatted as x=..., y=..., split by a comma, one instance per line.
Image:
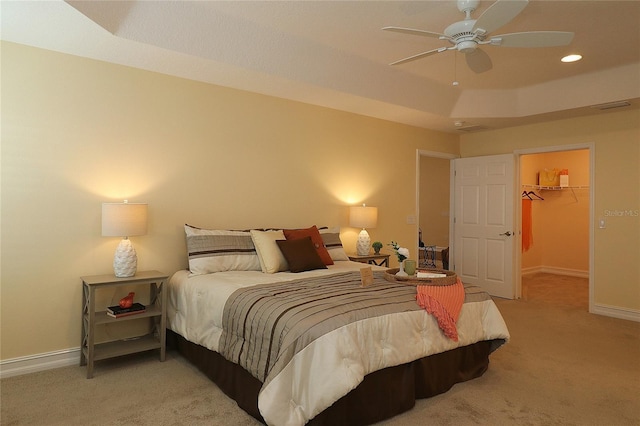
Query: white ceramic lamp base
x=363, y=245
x=125, y=262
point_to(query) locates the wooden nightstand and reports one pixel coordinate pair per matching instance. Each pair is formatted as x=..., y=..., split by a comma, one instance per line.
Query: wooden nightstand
x=156, y=312
x=372, y=259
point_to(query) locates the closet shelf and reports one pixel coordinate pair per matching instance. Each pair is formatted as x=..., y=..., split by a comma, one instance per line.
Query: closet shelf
x=555, y=188
x=558, y=188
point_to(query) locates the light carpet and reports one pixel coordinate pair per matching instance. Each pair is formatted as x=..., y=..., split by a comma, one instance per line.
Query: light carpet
x=563, y=366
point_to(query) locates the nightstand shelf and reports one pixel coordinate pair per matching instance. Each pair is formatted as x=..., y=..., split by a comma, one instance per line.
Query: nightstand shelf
x=155, y=313
x=372, y=259
x=103, y=318
x=125, y=347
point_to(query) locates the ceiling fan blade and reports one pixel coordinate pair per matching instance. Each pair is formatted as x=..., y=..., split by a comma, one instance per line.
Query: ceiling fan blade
x=419, y=56
x=414, y=32
x=533, y=39
x=499, y=14
x=478, y=61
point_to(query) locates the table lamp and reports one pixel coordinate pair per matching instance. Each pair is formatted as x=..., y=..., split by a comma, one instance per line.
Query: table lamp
x=124, y=220
x=363, y=217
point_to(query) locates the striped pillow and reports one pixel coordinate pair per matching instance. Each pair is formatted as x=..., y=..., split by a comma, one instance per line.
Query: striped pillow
x=212, y=250
x=333, y=243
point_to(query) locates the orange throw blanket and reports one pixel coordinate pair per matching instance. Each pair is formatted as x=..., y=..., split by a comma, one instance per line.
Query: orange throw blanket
x=444, y=302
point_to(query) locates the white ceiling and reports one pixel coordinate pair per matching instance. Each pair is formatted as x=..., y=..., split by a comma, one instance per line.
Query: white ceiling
x=334, y=53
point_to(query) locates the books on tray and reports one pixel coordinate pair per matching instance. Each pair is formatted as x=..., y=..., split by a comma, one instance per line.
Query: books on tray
x=118, y=312
x=430, y=275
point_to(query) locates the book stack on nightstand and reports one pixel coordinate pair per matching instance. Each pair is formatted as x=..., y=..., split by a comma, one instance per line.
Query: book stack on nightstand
x=118, y=312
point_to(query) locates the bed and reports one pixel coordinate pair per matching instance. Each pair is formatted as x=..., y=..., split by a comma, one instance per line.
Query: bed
x=315, y=346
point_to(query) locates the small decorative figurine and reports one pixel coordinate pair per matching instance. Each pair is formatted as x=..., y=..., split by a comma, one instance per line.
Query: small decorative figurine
x=127, y=301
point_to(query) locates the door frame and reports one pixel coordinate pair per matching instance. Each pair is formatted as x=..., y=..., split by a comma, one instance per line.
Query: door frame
x=518, y=209
x=445, y=156
x=518, y=206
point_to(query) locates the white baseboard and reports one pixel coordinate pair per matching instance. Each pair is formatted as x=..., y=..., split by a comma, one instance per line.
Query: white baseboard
x=39, y=362
x=616, y=312
x=554, y=270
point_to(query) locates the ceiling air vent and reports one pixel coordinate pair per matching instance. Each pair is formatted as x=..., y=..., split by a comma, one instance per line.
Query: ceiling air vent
x=611, y=105
x=471, y=128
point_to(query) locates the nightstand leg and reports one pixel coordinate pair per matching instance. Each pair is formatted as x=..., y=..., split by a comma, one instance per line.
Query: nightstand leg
x=163, y=320
x=84, y=325
x=158, y=296
x=90, y=332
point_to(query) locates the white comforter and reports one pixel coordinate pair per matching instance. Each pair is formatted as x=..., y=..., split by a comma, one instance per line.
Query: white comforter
x=334, y=364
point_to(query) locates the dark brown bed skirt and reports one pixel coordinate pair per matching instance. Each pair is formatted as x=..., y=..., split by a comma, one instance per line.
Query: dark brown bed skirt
x=382, y=394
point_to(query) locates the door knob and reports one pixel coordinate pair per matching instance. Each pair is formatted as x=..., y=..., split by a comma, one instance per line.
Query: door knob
x=508, y=233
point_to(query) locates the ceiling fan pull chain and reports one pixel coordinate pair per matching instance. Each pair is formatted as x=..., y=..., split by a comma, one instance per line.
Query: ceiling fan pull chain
x=455, y=69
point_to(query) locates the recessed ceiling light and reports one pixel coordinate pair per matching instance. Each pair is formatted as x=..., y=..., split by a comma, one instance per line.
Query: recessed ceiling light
x=571, y=58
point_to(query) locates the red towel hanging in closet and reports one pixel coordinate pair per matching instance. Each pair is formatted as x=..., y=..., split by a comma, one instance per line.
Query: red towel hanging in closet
x=527, y=226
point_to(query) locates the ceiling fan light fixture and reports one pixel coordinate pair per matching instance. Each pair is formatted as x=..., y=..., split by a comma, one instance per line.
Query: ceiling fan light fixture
x=571, y=58
x=467, y=46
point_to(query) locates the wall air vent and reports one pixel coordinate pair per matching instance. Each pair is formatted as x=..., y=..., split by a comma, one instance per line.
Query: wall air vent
x=611, y=105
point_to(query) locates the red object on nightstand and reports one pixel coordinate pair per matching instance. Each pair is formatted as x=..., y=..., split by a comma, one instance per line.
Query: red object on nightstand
x=127, y=301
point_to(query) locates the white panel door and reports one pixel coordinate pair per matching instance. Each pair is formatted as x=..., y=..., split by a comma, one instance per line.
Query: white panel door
x=483, y=222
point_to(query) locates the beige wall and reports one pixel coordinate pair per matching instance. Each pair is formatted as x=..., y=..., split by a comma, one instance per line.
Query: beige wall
x=78, y=132
x=561, y=221
x=616, y=138
x=434, y=200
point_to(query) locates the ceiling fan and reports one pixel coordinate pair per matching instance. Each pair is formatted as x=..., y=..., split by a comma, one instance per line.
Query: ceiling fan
x=467, y=35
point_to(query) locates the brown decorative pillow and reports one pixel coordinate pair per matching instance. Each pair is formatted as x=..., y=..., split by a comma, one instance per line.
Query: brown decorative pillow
x=301, y=254
x=316, y=238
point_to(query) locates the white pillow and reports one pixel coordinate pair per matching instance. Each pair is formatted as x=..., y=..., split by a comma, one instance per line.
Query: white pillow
x=333, y=243
x=271, y=258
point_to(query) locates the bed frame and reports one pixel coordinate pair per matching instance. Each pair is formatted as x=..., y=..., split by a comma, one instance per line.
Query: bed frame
x=382, y=395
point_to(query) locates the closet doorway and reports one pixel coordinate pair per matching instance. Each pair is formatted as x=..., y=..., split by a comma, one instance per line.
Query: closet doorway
x=556, y=222
x=434, y=206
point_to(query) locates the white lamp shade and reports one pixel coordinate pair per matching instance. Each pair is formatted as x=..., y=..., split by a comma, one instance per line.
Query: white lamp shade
x=124, y=219
x=363, y=216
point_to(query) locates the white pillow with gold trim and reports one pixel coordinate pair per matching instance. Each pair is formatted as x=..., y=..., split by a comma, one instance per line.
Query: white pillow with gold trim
x=271, y=258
